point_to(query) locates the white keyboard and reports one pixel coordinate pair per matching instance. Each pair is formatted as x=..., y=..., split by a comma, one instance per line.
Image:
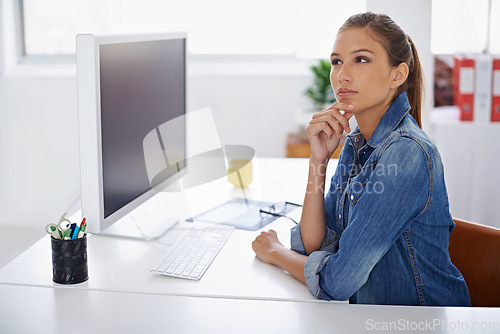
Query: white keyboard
x=190, y=256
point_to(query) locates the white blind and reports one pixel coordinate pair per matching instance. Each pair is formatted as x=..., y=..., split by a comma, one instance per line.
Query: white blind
x=302, y=27
x=461, y=26
x=305, y=28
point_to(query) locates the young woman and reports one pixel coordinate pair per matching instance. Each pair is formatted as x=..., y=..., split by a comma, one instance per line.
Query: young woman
x=380, y=236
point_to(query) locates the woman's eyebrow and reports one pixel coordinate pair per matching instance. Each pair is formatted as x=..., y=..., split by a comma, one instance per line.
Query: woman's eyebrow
x=362, y=50
x=334, y=54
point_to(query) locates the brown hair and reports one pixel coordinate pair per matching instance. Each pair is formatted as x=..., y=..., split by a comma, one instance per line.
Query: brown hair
x=400, y=49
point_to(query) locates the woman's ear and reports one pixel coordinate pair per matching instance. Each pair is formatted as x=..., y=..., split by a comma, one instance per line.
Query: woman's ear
x=400, y=75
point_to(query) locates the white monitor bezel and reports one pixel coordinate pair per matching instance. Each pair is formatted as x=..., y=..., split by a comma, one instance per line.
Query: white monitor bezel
x=89, y=117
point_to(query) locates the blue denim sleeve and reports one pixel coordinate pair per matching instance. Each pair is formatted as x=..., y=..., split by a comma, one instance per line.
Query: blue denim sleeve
x=383, y=203
x=316, y=260
x=330, y=242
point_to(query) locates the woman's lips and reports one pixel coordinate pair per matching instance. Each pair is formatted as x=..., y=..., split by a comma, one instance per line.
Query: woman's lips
x=345, y=92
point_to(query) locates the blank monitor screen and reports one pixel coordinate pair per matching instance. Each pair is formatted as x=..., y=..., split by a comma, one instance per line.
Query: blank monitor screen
x=142, y=86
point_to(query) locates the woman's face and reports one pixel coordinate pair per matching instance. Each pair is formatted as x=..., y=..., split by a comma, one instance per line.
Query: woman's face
x=361, y=74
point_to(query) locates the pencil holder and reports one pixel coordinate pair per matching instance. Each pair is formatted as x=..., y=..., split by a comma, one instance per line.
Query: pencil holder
x=69, y=260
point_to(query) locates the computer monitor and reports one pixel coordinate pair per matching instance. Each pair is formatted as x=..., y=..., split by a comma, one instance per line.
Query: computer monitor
x=131, y=106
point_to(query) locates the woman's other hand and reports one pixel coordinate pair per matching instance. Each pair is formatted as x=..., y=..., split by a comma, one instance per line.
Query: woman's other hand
x=265, y=244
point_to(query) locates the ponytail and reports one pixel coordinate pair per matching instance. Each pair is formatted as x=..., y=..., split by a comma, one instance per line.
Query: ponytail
x=414, y=85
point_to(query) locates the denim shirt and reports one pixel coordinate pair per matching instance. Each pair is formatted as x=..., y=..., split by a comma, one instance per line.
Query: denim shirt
x=388, y=221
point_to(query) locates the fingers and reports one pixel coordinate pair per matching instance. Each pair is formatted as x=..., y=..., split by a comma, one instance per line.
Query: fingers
x=264, y=243
x=268, y=233
x=264, y=237
x=340, y=106
x=315, y=128
x=331, y=120
x=336, y=108
x=335, y=111
x=348, y=115
x=328, y=124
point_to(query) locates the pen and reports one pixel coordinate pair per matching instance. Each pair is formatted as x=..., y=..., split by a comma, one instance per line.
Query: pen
x=72, y=229
x=77, y=228
x=83, y=226
x=75, y=233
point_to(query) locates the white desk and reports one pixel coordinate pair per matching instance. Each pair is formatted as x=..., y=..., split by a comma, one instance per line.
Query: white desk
x=47, y=310
x=123, y=265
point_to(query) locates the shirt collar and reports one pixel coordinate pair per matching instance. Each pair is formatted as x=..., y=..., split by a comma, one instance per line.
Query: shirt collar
x=391, y=119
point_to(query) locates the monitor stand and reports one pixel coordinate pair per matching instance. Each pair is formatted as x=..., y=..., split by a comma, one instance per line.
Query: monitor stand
x=150, y=220
x=136, y=226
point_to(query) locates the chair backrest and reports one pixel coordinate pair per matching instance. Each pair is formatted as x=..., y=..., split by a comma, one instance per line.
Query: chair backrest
x=475, y=251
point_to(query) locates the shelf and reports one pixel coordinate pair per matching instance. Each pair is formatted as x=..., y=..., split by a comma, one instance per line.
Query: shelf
x=297, y=146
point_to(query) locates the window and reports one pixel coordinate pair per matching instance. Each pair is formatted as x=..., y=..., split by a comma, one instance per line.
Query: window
x=317, y=24
x=305, y=28
x=461, y=26
x=495, y=27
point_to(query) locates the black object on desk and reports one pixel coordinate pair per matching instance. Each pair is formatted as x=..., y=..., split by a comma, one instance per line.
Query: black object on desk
x=69, y=260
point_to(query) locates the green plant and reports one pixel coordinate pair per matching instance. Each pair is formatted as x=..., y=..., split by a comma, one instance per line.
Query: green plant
x=320, y=91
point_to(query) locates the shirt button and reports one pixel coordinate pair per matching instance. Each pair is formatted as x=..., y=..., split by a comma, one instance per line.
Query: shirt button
x=340, y=216
x=352, y=197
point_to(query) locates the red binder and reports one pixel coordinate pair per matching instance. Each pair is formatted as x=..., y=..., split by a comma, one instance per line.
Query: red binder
x=495, y=91
x=463, y=89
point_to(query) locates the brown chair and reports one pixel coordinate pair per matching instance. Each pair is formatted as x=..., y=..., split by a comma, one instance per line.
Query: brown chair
x=475, y=251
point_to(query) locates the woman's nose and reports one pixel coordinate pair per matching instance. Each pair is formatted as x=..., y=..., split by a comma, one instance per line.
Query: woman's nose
x=344, y=74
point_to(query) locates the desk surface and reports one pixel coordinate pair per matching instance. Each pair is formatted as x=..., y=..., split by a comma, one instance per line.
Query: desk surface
x=46, y=310
x=124, y=264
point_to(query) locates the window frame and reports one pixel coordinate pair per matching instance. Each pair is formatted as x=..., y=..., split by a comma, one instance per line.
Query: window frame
x=23, y=57
x=13, y=60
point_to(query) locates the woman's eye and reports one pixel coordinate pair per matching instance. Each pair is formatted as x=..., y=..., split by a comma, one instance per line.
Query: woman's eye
x=361, y=60
x=336, y=61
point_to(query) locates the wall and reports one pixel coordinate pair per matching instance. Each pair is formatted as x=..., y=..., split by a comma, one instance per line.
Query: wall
x=246, y=105
x=38, y=143
x=39, y=176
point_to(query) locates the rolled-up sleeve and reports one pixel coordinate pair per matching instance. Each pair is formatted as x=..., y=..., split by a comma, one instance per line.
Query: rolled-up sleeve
x=376, y=220
x=317, y=260
x=315, y=263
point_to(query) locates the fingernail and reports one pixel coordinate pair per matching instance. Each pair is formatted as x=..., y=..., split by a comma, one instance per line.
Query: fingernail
x=350, y=106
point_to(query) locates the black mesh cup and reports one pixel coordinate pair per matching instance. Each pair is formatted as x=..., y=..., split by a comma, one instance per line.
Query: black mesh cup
x=69, y=260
